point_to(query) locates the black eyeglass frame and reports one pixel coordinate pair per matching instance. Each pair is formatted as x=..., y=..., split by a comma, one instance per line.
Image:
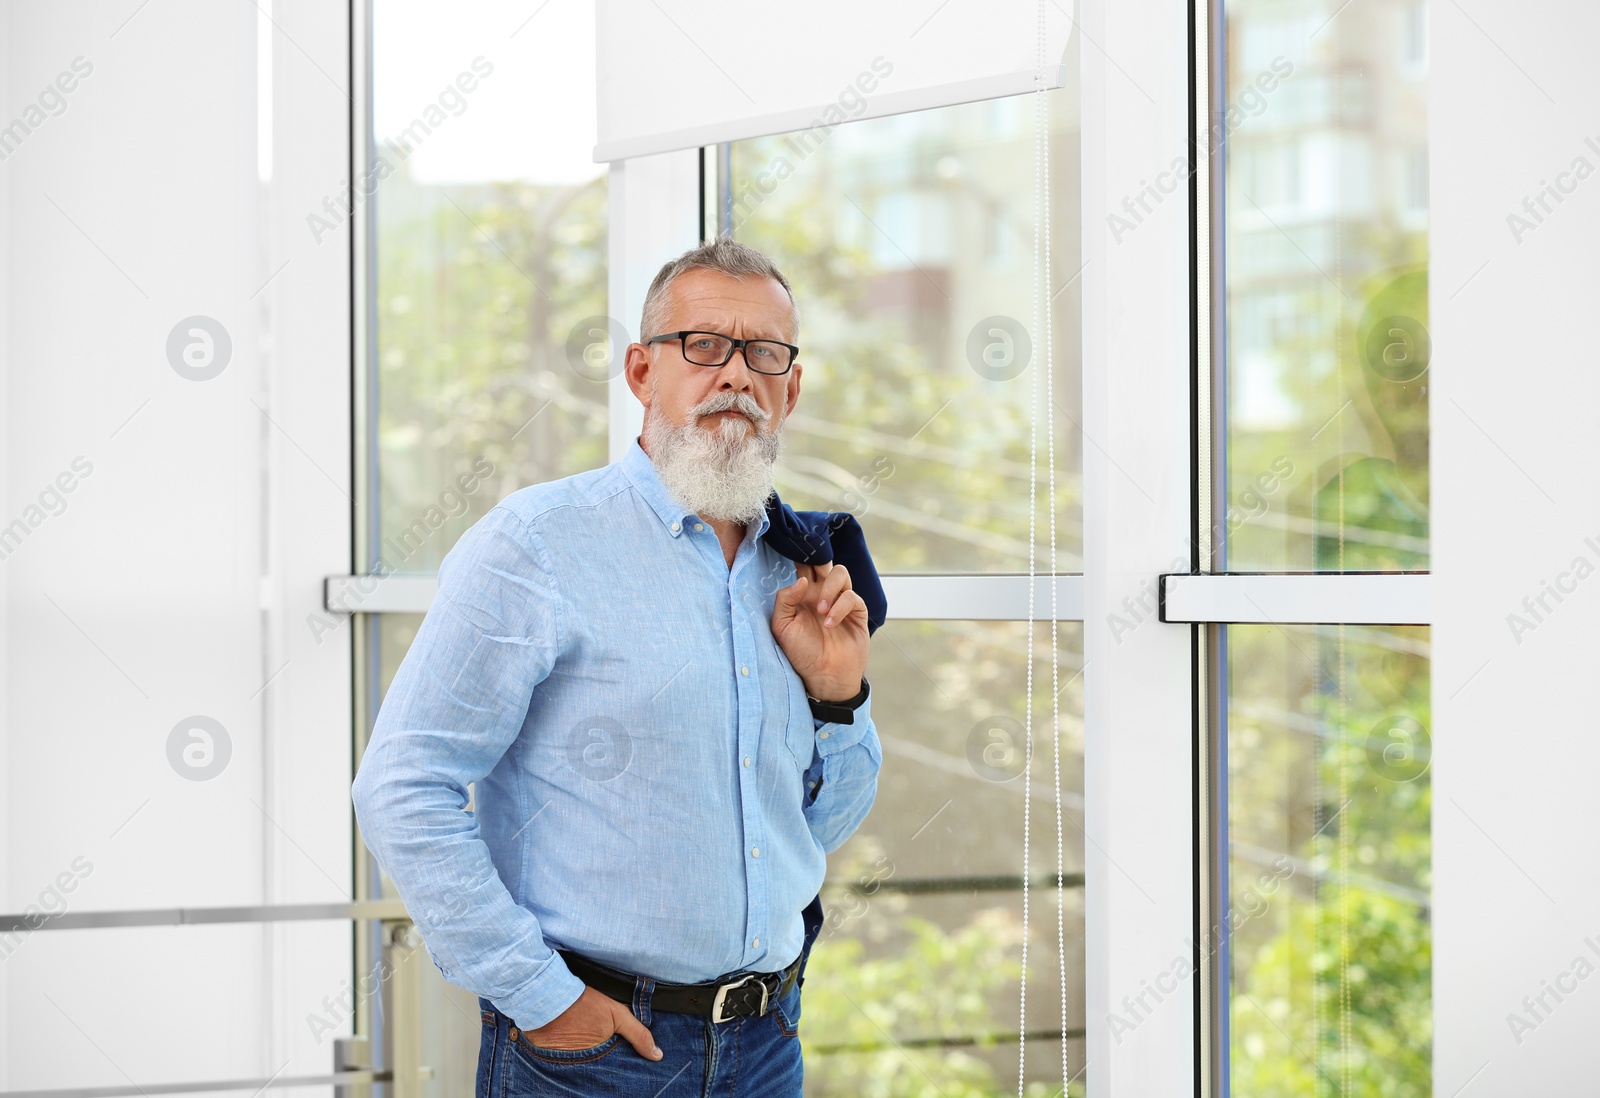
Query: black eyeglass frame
x=734, y=345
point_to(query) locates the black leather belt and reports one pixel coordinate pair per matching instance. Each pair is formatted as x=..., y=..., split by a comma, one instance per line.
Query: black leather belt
x=747, y=996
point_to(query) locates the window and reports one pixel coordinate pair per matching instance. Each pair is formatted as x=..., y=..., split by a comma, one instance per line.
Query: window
x=1326, y=783
x=488, y=274
x=1326, y=292
x=491, y=253
x=926, y=897
x=1329, y=859
x=909, y=241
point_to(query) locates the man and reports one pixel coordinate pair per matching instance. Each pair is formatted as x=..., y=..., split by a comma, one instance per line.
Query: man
x=667, y=723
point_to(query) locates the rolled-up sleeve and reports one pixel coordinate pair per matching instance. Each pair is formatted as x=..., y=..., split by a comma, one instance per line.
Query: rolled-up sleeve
x=457, y=703
x=842, y=781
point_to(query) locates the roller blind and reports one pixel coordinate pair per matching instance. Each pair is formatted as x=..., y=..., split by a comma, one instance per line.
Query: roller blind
x=676, y=75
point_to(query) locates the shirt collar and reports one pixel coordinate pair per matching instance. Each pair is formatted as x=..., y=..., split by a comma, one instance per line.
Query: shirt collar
x=641, y=471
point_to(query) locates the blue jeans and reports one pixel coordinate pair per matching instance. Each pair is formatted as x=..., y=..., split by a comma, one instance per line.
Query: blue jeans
x=756, y=1057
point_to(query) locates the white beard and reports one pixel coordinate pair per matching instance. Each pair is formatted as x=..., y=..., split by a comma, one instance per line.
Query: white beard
x=722, y=473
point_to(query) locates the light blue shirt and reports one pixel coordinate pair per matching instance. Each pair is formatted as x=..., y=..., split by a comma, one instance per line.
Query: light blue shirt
x=652, y=790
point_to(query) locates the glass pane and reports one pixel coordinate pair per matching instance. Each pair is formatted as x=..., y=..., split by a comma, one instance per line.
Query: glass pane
x=909, y=242
x=396, y=632
x=919, y=956
x=1329, y=861
x=1327, y=285
x=491, y=253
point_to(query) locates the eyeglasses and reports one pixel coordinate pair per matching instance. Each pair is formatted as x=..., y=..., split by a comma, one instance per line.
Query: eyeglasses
x=764, y=356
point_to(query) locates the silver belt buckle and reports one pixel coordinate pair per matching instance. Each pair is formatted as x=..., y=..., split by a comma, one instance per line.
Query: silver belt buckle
x=722, y=994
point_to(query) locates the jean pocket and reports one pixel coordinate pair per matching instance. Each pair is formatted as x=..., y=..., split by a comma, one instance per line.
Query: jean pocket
x=787, y=1011
x=565, y=1055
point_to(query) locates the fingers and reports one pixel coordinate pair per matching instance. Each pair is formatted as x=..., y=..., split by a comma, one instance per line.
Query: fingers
x=816, y=573
x=825, y=588
x=833, y=586
x=844, y=607
x=635, y=1033
x=791, y=596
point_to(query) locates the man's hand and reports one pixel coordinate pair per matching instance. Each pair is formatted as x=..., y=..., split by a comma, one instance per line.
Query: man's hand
x=821, y=625
x=591, y=1020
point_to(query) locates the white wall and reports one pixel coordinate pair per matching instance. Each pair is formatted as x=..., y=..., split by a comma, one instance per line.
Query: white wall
x=1516, y=388
x=177, y=578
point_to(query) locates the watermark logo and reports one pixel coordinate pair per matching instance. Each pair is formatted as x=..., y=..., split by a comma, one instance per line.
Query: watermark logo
x=1399, y=749
x=50, y=502
x=199, y=348
x=1537, y=1008
x=856, y=498
x=1538, y=608
x=450, y=102
x=596, y=348
x=52, y=902
x=400, y=546
x=1141, y=606
x=49, y=103
x=1249, y=902
x=1251, y=102
x=997, y=748
x=854, y=900
x=199, y=748
x=599, y=748
x=998, y=348
x=1253, y=501
x=1536, y=207
x=851, y=102
x=1398, y=349
x=339, y=1009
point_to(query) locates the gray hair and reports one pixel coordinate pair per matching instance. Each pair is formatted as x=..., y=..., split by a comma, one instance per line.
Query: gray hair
x=723, y=255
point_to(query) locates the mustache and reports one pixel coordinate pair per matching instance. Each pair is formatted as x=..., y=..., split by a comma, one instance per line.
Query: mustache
x=743, y=403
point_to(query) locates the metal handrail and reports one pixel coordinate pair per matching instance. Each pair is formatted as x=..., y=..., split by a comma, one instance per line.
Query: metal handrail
x=338, y=1078
x=180, y=916
x=381, y=910
x=938, y=886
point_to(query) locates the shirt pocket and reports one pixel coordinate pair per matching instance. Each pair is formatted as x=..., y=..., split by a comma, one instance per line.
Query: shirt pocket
x=799, y=729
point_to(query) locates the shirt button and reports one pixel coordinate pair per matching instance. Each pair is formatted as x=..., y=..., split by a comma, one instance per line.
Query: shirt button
x=755, y=852
x=756, y=943
x=674, y=528
x=744, y=671
x=699, y=526
x=822, y=735
x=747, y=760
